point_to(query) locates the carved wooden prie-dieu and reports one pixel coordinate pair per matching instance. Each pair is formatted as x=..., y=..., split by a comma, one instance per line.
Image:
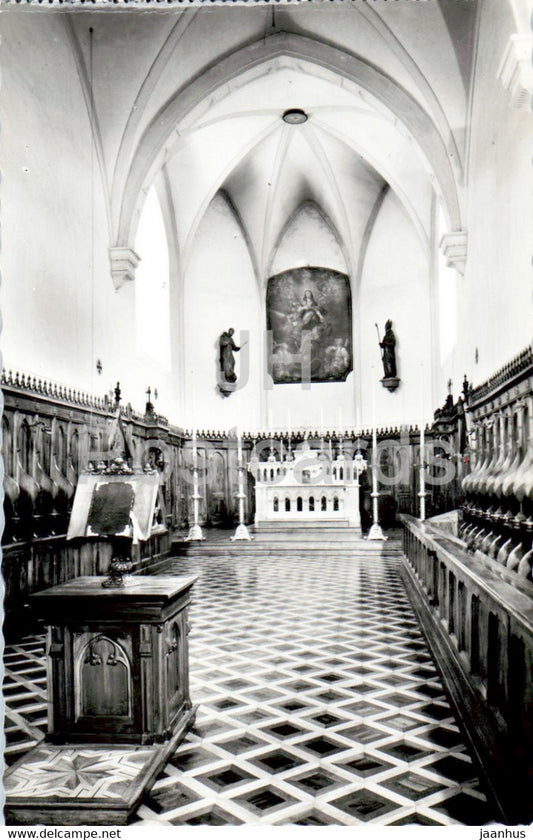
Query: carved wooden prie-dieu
x=118, y=659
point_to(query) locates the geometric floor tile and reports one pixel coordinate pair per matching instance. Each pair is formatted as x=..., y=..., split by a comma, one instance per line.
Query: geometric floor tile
x=242, y=744
x=446, y=738
x=312, y=818
x=283, y=730
x=366, y=765
x=191, y=759
x=276, y=761
x=317, y=781
x=402, y=722
x=169, y=798
x=319, y=703
x=214, y=816
x=415, y=819
x=405, y=751
x=453, y=768
x=465, y=809
x=226, y=778
x=412, y=785
x=364, y=804
x=265, y=800
x=362, y=733
x=322, y=746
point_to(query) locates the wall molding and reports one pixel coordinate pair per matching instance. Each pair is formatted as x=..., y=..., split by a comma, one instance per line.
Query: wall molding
x=123, y=261
x=516, y=70
x=454, y=247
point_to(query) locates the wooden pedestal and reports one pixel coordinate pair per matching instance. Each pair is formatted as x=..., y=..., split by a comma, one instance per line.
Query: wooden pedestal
x=118, y=658
x=118, y=675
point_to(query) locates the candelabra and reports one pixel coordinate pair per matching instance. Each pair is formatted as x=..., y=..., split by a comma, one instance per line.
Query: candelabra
x=375, y=532
x=195, y=532
x=241, y=532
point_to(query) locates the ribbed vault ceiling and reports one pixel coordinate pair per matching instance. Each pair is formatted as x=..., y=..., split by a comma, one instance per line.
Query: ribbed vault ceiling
x=200, y=110
x=340, y=158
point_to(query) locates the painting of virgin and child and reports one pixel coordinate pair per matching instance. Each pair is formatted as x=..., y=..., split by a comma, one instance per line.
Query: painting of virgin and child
x=309, y=314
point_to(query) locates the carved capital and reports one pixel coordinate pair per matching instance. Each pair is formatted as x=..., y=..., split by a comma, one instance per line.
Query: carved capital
x=123, y=261
x=454, y=248
x=516, y=71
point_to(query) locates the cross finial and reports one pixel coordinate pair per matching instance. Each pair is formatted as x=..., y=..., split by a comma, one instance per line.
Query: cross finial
x=450, y=384
x=148, y=393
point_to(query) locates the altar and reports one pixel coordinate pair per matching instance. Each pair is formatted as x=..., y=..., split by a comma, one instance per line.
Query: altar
x=307, y=488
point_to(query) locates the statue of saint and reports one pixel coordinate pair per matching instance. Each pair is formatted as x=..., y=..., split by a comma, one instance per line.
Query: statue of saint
x=388, y=351
x=227, y=360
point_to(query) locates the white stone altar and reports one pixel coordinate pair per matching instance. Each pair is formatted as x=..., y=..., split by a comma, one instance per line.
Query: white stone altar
x=307, y=488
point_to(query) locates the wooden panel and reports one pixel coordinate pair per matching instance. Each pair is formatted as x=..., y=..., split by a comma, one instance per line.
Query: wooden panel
x=480, y=629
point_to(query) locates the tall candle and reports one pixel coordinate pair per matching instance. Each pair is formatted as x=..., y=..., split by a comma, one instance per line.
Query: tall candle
x=374, y=438
x=422, y=493
x=375, y=493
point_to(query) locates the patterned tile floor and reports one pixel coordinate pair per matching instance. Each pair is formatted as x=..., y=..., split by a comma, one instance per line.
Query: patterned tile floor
x=319, y=703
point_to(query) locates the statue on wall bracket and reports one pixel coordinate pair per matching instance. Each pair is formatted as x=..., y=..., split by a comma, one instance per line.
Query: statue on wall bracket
x=388, y=356
x=227, y=378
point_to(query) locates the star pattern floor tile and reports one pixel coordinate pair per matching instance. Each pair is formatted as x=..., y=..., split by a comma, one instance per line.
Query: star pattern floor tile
x=319, y=702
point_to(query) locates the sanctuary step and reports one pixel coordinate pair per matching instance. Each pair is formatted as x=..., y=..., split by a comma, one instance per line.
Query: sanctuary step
x=302, y=526
x=330, y=542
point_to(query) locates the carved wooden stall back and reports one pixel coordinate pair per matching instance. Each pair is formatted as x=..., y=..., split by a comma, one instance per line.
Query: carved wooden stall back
x=50, y=432
x=470, y=578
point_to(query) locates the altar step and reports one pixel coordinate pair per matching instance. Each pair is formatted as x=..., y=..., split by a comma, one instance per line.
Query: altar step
x=332, y=542
x=304, y=525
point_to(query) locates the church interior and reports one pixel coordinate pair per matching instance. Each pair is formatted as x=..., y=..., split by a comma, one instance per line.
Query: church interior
x=267, y=430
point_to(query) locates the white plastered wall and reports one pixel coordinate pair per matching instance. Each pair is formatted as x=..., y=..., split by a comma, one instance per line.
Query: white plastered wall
x=395, y=285
x=220, y=291
x=495, y=296
x=60, y=310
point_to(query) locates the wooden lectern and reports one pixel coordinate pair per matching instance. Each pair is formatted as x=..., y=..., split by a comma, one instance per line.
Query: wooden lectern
x=120, y=704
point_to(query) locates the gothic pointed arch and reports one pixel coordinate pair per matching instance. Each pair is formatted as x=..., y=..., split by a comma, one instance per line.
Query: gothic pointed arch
x=320, y=232
x=151, y=150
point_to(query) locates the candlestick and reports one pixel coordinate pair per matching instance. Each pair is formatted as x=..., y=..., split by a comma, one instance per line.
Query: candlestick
x=375, y=532
x=241, y=532
x=422, y=494
x=195, y=532
x=239, y=447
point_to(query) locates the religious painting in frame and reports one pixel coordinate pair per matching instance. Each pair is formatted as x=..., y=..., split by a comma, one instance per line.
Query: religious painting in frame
x=309, y=318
